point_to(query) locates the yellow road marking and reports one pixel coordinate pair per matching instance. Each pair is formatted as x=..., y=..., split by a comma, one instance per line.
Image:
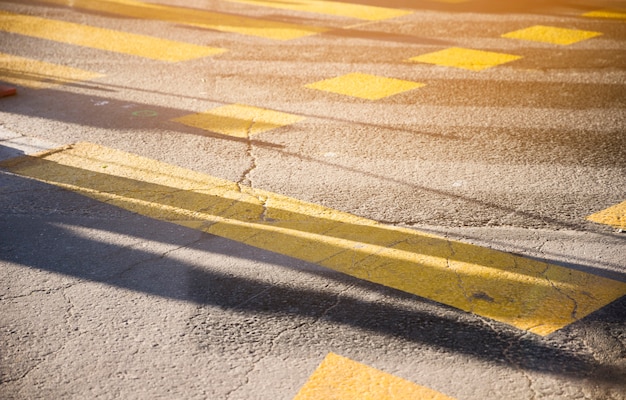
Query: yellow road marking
x=550, y=34
x=340, y=378
x=103, y=39
x=522, y=292
x=370, y=13
x=614, y=216
x=610, y=14
x=365, y=86
x=37, y=74
x=194, y=17
x=239, y=120
x=473, y=60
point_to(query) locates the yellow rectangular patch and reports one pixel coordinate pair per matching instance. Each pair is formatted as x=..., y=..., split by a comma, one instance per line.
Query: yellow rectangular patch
x=364, y=86
x=370, y=13
x=239, y=120
x=550, y=34
x=198, y=18
x=614, y=216
x=340, y=378
x=522, y=292
x=38, y=74
x=473, y=60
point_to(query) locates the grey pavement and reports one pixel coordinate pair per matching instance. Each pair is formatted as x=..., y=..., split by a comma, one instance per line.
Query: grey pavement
x=99, y=302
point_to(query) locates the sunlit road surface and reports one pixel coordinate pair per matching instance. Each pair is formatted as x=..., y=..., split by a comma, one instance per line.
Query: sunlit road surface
x=254, y=199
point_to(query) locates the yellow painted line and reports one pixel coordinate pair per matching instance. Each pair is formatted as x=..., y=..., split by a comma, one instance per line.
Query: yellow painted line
x=103, y=39
x=38, y=74
x=614, y=216
x=340, y=378
x=194, y=17
x=365, y=86
x=609, y=14
x=360, y=11
x=551, y=34
x=239, y=120
x=473, y=60
x=522, y=292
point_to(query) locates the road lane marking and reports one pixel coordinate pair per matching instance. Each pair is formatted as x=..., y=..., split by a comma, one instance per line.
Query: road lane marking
x=473, y=60
x=370, y=13
x=340, y=378
x=365, y=86
x=198, y=18
x=38, y=74
x=614, y=216
x=551, y=34
x=609, y=14
x=522, y=292
x=103, y=39
x=239, y=120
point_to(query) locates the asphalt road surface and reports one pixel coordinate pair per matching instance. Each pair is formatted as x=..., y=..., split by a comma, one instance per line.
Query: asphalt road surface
x=257, y=199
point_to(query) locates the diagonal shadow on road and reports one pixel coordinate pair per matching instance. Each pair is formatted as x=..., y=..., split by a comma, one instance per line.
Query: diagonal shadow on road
x=44, y=229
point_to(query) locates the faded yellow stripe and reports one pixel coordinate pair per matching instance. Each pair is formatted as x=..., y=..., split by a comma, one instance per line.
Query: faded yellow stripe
x=340, y=378
x=239, y=120
x=194, y=17
x=522, y=292
x=551, y=34
x=103, y=39
x=37, y=74
x=365, y=86
x=610, y=14
x=614, y=216
x=473, y=60
x=370, y=13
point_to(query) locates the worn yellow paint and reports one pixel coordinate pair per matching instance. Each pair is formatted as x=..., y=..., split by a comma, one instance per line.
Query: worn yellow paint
x=365, y=86
x=609, y=14
x=551, y=34
x=473, y=60
x=340, y=378
x=103, y=39
x=518, y=291
x=195, y=17
x=360, y=11
x=239, y=120
x=38, y=74
x=614, y=216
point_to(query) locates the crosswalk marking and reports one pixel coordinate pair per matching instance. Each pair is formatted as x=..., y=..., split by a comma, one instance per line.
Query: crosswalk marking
x=103, y=39
x=340, y=378
x=239, y=120
x=38, y=74
x=360, y=11
x=551, y=34
x=614, y=216
x=198, y=18
x=525, y=293
x=473, y=60
x=365, y=86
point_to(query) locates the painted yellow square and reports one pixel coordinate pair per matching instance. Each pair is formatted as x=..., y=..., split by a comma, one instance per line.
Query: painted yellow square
x=239, y=120
x=340, y=378
x=365, y=86
x=610, y=14
x=614, y=216
x=551, y=34
x=473, y=60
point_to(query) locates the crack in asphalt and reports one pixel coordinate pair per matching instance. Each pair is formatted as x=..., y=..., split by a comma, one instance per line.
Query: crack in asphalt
x=245, y=175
